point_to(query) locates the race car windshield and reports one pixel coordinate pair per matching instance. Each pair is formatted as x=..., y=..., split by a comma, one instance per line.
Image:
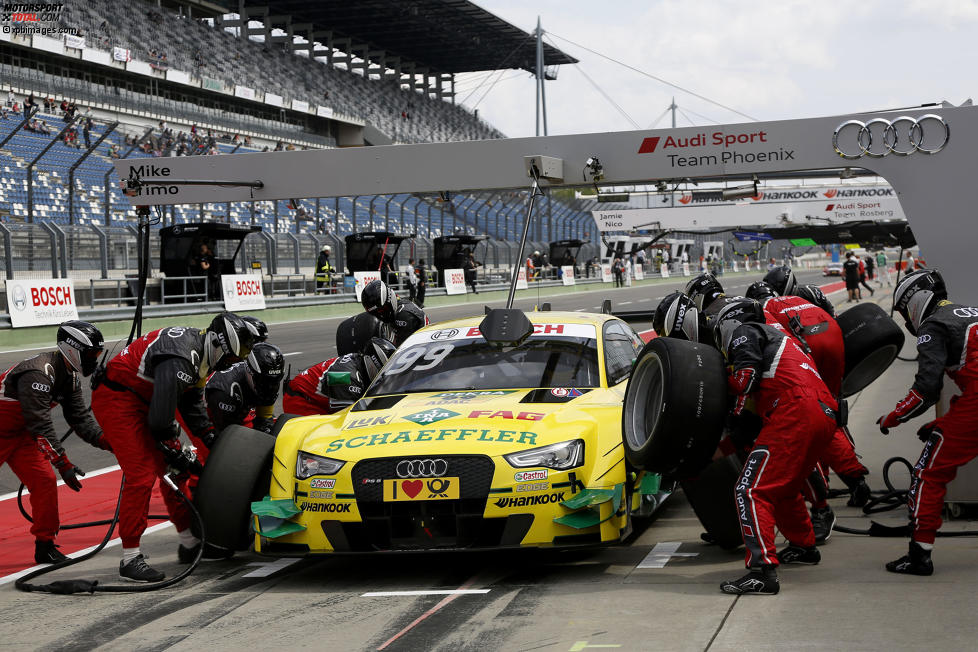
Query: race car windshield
x=474, y=364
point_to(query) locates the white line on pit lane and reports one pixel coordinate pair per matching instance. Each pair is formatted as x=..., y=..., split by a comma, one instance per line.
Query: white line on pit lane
x=90, y=474
x=645, y=299
x=662, y=553
x=624, y=303
x=269, y=568
x=285, y=355
x=384, y=594
x=6, y=579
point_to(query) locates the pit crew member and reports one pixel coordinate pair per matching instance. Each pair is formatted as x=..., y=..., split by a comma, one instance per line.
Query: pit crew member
x=244, y=394
x=947, y=342
x=28, y=442
x=403, y=316
x=144, y=388
x=798, y=418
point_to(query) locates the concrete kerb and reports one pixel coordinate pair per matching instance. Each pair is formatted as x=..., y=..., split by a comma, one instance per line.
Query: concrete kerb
x=44, y=336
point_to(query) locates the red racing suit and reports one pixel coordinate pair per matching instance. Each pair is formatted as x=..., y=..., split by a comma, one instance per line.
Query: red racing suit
x=28, y=442
x=798, y=418
x=148, y=384
x=821, y=333
x=947, y=342
x=326, y=387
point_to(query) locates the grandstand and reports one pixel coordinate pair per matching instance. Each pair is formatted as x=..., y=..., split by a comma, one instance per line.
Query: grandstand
x=368, y=103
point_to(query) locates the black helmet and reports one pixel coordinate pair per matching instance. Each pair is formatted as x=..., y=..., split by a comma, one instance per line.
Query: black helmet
x=703, y=290
x=229, y=337
x=379, y=300
x=257, y=326
x=782, y=279
x=917, y=295
x=761, y=291
x=676, y=316
x=81, y=344
x=814, y=295
x=267, y=365
x=375, y=355
x=354, y=333
x=736, y=312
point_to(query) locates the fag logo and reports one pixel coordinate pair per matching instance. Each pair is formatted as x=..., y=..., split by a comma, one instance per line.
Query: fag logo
x=649, y=145
x=831, y=193
x=685, y=199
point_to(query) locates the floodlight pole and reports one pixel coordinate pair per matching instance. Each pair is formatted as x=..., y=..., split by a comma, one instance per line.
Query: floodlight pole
x=541, y=76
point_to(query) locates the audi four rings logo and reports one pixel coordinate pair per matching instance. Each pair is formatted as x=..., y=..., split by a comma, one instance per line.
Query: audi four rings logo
x=902, y=136
x=421, y=468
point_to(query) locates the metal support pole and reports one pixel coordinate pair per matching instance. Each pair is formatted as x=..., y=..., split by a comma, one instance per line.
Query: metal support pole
x=353, y=219
x=30, y=169
x=111, y=171
x=103, y=239
x=336, y=216
x=320, y=223
x=371, y=209
x=387, y=215
x=295, y=250
x=534, y=191
x=53, y=236
x=8, y=259
x=23, y=123
x=74, y=166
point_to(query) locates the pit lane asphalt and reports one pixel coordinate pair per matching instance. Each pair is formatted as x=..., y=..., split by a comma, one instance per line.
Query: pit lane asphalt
x=533, y=600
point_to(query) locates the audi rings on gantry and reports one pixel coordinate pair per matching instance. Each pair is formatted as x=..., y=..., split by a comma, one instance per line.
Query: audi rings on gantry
x=421, y=468
x=902, y=136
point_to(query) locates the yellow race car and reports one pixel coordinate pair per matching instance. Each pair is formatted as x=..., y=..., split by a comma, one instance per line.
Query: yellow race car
x=461, y=441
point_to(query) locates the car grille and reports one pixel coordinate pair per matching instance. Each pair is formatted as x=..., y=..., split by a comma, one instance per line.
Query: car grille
x=423, y=525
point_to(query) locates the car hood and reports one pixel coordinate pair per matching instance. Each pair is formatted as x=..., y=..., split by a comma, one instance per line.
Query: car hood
x=487, y=422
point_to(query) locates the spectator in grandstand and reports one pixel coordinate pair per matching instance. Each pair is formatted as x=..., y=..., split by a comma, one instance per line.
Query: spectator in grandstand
x=87, y=132
x=278, y=146
x=193, y=129
x=43, y=128
x=15, y=108
x=10, y=98
x=114, y=151
x=3, y=112
x=30, y=103
x=290, y=147
x=31, y=126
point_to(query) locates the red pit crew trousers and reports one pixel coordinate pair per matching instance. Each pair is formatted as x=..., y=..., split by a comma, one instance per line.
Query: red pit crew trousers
x=298, y=405
x=123, y=417
x=19, y=450
x=954, y=443
x=768, y=492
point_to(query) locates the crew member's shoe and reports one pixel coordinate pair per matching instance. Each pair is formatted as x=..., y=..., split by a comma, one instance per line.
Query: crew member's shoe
x=859, y=494
x=760, y=581
x=822, y=521
x=187, y=555
x=138, y=570
x=799, y=555
x=915, y=562
x=46, y=552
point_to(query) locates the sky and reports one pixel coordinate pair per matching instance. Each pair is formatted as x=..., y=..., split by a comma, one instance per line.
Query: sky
x=769, y=60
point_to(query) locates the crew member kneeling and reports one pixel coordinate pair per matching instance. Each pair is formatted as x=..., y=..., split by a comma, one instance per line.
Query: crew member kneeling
x=28, y=442
x=145, y=386
x=947, y=341
x=336, y=383
x=798, y=416
x=244, y=394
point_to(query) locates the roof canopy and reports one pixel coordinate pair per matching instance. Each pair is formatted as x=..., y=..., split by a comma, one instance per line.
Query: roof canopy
x=445, y=35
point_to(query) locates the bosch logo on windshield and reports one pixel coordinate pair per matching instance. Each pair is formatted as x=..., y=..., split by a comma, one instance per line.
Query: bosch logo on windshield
x=902, y=136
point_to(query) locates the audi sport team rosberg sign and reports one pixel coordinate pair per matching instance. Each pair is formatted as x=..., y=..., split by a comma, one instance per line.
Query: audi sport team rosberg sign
x=243, y=292
x=41, y=302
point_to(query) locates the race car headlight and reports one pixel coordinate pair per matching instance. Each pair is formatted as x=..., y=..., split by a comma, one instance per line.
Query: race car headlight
x=562, y=456
x=308, y=465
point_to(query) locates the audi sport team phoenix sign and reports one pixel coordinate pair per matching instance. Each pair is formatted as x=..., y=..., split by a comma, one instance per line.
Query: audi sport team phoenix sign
x=912, y=149
x=41, y=302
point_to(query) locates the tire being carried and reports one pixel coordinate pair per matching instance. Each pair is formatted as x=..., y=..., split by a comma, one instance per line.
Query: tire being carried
x=674, y=409
x=872, y=340
x=237, y=473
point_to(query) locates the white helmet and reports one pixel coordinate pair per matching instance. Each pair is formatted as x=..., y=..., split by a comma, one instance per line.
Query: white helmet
x=327, y=248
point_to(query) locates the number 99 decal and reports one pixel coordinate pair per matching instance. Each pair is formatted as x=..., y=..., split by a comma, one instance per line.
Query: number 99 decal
x=429, y=358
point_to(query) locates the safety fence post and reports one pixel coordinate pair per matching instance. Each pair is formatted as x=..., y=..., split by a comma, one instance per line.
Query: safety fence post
x=8, y=259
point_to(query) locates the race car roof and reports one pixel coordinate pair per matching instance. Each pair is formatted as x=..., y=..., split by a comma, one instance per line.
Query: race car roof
x=445, y=35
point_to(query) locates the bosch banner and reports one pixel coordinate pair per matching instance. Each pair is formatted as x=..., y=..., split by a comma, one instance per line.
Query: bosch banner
x=567, y=274
x=362, y=278
x=41, y=302
x=243, y=292
x=605, y=273
x=454, y=281
x=521, y=279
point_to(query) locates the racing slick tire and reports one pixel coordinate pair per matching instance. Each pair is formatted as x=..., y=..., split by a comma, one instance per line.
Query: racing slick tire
x=674, y=408
x=872, y=340
x=280, y=422
x=711, y=495
x=237, y=472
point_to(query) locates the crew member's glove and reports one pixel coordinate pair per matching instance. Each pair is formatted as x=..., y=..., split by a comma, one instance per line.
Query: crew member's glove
x=903, y=411
x=927, y=430
x=102, y=442
x=209, y=436
x=184, y=461
x=69, y=472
